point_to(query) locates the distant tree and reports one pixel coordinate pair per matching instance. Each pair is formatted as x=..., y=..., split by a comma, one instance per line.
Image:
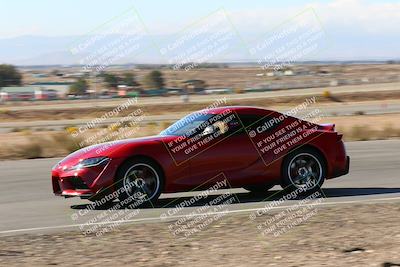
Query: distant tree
x=193, y=86
x=79, y=87
x=54, y=72
x=9, y=75
x=154, y=80
x=201, y=84
x=111, y=80
x=129, y=79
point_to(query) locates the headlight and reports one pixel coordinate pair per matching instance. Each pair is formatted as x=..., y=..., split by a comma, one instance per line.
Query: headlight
x=90, y=162
x=56, y=165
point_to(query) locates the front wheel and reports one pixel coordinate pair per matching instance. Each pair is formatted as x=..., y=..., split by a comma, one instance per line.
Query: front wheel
x=304, y=169
x=139, y=182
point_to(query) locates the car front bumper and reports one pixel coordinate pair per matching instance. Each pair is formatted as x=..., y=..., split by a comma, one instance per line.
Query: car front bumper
x=86, y=182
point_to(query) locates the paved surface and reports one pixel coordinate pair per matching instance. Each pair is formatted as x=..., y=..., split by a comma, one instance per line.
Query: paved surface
x=27, y=203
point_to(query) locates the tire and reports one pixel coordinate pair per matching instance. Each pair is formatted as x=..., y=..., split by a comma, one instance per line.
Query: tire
x=258, y=189
x=139, y=182
x=303, y=169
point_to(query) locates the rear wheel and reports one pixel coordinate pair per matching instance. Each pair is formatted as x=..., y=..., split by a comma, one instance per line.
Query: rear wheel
x=139, y=182
x=303, y=169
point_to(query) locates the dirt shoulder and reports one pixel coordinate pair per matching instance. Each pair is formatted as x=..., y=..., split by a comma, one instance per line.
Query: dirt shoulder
x=344, y=235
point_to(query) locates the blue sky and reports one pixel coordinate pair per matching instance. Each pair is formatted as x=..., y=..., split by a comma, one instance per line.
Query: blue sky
x=71, y=17
x=357, y=28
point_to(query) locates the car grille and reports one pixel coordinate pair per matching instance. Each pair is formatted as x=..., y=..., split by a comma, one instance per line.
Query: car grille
x=77, y=183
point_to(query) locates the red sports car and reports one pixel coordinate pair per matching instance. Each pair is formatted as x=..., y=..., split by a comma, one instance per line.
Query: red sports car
x=247, y=147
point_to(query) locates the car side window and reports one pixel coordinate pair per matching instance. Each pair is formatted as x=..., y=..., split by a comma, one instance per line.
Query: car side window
x=252, y=122
x=224, y=124
x=246, y=120
x=250, y=119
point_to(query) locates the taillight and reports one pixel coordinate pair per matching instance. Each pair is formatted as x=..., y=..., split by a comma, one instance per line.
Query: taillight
x=328, y=127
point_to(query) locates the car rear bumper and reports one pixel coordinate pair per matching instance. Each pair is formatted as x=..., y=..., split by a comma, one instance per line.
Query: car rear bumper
x=343, y=171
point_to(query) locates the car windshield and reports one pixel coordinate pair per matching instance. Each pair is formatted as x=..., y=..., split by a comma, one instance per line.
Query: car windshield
x=187, y=125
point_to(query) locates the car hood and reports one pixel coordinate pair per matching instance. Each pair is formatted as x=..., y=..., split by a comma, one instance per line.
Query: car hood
x=109, y=148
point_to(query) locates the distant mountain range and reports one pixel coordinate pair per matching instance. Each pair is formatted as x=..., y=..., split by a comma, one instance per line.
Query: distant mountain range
x=41, y=50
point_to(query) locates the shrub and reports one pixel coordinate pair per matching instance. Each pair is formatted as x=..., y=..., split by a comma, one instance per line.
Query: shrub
x=361, y=133
x=165, y=124
x=16, y=130
x=389, y=131
x=4, y=111
x=238, y=91
x=114, y=127
x=71, y=129
x=359, y=113
x=327, y=94
x=30, y=151
x=66, y=141
x=152, y=124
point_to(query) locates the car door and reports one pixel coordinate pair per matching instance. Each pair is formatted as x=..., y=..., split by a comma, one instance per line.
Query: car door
x=229, y=153
x=268, y=135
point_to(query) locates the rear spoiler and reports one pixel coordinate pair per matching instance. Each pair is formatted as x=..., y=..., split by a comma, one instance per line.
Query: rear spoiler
x=327, y=127
x=330, y=127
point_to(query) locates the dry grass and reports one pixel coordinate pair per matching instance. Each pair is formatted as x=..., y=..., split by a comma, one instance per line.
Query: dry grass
x=90, y=111
x=390, y=131
x=35, y=144
x=38, y=144
x=362, y=132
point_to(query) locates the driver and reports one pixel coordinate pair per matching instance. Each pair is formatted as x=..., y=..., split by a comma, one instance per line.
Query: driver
x=221, y=126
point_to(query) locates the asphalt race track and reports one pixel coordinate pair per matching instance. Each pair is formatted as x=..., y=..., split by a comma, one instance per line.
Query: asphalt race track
x=27, y=204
